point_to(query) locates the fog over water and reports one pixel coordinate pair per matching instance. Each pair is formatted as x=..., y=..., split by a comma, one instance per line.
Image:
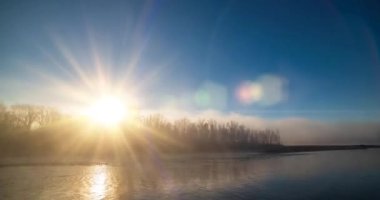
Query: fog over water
x=297, y=130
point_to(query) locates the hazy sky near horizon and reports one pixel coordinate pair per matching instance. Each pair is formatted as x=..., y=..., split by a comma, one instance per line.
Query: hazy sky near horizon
x=272, y=59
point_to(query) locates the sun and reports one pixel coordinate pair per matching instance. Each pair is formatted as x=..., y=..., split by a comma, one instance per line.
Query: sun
x=108, y=110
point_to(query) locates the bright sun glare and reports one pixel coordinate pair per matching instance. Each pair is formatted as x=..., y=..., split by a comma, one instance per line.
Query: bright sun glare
x=108, y=110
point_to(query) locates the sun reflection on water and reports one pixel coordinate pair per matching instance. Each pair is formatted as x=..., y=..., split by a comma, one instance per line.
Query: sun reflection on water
x=99, y=182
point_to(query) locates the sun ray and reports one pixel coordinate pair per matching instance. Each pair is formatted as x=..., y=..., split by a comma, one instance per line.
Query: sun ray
x=73, y=63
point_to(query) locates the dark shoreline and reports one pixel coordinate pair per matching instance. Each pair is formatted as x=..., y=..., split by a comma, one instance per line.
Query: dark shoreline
x=309, y=148
x=274, y=150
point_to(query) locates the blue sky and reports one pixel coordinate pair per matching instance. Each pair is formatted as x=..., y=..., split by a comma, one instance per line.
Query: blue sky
x=197, y=54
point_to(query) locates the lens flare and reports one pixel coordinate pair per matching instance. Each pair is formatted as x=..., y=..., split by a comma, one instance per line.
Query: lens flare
x=266, y=90
x=249, y=92
x=211, y=95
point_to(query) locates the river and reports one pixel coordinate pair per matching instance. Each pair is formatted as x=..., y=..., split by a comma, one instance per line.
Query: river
x=349, y=174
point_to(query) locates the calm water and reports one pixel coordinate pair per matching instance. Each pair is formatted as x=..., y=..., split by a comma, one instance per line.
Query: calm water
x=316, y=175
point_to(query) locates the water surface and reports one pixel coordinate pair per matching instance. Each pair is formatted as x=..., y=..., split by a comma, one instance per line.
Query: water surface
x=314, y=175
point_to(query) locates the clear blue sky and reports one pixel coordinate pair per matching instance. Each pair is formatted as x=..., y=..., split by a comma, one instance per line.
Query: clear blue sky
x=325, y=52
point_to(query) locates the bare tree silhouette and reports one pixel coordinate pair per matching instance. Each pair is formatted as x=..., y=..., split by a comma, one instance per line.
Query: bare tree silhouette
x=17, y=122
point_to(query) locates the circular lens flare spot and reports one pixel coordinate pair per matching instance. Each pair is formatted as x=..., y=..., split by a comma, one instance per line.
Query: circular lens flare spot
x=249, y=92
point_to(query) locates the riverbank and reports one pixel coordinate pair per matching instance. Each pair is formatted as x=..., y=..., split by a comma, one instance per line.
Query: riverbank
x=308, y=148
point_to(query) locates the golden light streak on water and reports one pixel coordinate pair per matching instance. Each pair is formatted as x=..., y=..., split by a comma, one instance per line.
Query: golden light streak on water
x=99, y=183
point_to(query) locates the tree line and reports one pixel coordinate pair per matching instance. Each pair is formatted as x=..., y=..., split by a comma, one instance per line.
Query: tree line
x=210, y=135
x=39, y=130
x=27, y=117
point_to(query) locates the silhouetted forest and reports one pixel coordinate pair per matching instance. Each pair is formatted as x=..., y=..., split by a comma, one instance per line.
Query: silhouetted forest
x=39, y=130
